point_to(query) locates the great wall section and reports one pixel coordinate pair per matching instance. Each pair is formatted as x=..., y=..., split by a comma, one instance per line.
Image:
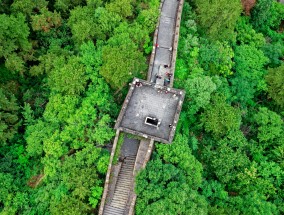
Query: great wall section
x=151, y=110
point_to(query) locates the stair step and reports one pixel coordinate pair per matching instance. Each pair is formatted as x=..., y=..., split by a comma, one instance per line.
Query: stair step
x=118, y=205
x=110, y=210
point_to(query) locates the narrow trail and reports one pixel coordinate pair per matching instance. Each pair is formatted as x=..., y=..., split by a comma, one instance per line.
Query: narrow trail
x=119, y=197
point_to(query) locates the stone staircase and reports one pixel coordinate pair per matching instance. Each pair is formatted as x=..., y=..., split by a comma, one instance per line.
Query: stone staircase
x=122, y=188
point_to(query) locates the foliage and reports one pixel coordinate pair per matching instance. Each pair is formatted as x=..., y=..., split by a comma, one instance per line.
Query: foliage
x=220, y=118
x=121, y=60
x=68, y=76
x=270, y=125
x=28, y=7
x=218, y=17
x=266, y=18
x=275, y=82
x=250, y=71
x=14, y=44
x=198, y=91
x=9, y=120
x=167, y=192
x=216, y=58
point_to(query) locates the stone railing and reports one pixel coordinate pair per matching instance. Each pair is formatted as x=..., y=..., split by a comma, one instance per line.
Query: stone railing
x=175, y=40
x=107, y=181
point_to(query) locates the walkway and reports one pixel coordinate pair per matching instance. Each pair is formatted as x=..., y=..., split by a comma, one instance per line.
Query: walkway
x=119, y=196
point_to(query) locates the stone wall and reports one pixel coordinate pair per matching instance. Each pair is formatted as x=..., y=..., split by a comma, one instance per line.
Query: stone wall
x=107, y=181
x=175, y=42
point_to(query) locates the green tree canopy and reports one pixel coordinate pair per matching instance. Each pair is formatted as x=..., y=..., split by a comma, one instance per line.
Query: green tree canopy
x=121, y=60
x=220, y=118
x=275, y=80
x=14, y=43
x=198, y=92
x=9, y=120
x=218, y=17
x=249, y=76
x=270, y=125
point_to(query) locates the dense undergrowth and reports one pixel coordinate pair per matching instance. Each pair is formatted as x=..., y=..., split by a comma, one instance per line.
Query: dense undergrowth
x=228, y=153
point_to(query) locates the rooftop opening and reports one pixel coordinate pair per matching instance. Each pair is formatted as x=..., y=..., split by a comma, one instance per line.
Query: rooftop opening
x=152, y=121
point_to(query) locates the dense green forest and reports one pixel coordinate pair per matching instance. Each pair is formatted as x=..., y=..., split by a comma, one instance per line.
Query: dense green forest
x=64, y=70
x=228, y=153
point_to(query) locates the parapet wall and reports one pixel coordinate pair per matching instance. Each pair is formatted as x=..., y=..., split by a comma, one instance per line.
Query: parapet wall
x=143, y=156
x=175, y=42
x=107, y=181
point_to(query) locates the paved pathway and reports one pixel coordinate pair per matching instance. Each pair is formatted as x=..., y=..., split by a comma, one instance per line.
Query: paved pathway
x=119, y=196
x=164, y=43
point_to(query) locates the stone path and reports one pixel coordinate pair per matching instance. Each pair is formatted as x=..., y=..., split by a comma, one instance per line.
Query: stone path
x=164, y=43
x=119, y=196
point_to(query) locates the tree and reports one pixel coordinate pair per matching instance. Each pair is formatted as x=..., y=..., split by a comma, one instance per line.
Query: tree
x=36, y=134
x=216, y=58
x=28, y=7
x=14, y=43
x=65, y=5
x=60, y=108
x=275, y=80
x=266, y=17
x=198, y=92
x=220, y=118
x=249, y=75
x=121, y=60
x=247, y=35
x=253, y=203
x=270, y=125
x=46, y=20
x=121, y=7
x=180, y=154
x=87, y=23
x=9, y=120
x=230, y=149
x=68, y=77
x=218, y=17
x=161, y=189
x=248, y=5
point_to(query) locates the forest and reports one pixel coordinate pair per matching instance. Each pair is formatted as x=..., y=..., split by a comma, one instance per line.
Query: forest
x=65, y=66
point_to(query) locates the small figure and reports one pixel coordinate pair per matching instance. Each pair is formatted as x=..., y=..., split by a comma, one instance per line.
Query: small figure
x=157, y=45
x=166, y=92
x=166, y=66
x=170, y=49
x=170, y=125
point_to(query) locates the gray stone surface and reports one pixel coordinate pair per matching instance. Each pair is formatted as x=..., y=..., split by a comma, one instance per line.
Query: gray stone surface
x=154, y=102
x=166, y=30
x=163, y=57
x=169, y=8
x=129, y=147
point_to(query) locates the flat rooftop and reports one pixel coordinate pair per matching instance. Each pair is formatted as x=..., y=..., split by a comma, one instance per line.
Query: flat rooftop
x=146, y=99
